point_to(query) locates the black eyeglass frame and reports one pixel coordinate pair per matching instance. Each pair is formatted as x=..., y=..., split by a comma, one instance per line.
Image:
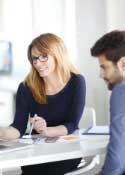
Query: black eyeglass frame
x=41, y=58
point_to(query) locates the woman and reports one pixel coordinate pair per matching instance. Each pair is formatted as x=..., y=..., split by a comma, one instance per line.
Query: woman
x=53, y=94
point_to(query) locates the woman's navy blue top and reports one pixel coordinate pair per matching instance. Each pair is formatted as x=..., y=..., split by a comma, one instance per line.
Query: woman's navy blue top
x=64, y=108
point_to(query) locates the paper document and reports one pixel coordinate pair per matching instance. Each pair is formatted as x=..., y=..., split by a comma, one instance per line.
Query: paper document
x=40, y=140
x=32, y=139
x=97, y=130
x=37, y=139
x=8, y=146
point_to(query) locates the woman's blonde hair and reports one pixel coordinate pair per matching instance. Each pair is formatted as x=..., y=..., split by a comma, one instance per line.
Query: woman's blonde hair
x=48, y=44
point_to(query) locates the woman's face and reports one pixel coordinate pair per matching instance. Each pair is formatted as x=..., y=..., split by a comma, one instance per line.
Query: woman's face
x=44, y=64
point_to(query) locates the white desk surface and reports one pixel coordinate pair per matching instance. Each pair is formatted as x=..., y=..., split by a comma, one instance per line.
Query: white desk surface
x=49, y=152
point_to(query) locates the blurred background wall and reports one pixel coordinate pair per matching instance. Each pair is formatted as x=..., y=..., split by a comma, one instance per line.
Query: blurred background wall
x=79, y=22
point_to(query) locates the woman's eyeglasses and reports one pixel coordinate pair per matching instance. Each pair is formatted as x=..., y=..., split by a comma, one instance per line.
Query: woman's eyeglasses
x=41, y=58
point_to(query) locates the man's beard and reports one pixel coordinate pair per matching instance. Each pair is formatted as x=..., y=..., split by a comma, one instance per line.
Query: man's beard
x=111, y=85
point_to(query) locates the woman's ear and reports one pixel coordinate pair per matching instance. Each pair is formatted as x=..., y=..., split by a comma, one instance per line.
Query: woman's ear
x=121, y=64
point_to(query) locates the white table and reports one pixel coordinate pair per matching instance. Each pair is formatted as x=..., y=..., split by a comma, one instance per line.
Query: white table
x=49, y=152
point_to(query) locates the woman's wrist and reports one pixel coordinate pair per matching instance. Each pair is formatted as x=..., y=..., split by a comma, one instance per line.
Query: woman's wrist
x=44, y=133
x=54, y=131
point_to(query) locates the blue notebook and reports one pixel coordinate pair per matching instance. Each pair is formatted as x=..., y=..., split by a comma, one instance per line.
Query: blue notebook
x=97, y=130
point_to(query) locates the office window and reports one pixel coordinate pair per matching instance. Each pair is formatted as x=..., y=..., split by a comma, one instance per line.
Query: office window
x=5, y=57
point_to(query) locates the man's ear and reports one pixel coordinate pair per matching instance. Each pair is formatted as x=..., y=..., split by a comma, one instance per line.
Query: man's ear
x=121, y=64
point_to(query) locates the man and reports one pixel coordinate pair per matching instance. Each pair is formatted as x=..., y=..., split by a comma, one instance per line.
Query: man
x=110, y=50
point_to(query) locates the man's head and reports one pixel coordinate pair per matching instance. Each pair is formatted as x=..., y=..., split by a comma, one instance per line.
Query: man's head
x=110, y=50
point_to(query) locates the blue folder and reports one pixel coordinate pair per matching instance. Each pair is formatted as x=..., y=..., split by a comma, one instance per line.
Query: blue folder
x=97, y=130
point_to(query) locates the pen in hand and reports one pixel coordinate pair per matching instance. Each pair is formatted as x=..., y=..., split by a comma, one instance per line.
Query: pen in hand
x=31, y=127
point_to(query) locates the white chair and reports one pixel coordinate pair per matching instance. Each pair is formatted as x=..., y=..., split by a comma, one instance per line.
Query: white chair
x=87, y=167
x=88, y=119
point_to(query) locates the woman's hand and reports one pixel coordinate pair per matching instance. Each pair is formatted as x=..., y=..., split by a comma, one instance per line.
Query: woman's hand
x=39, y=124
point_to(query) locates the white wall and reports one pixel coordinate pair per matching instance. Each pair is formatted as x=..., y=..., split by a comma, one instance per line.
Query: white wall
x=90, y=25
x=115, y=14
x=17, y=27
x=48, y=16
x=1, y=13
x=56, y=16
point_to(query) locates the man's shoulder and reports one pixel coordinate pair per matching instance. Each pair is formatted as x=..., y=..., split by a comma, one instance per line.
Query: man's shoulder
x=120, y=85
x=117, y=100
x=119, y=88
